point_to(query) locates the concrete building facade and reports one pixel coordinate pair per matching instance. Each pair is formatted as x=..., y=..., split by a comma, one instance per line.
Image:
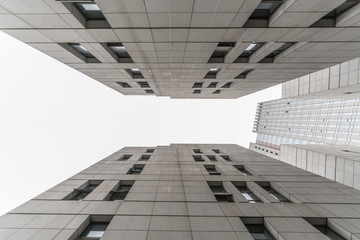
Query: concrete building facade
x=188, y=48
x=189, y=192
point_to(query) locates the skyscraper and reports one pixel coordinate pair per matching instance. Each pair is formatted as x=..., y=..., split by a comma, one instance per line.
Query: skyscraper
x=192, y=191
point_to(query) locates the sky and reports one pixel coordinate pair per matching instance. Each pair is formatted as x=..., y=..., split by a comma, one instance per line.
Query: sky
x=55, y=121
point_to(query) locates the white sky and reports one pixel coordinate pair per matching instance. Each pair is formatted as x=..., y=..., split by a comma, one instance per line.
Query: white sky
x=55, y=121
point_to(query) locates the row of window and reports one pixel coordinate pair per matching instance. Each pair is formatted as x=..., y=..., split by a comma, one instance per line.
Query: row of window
x=255, y=226
x=199, y=158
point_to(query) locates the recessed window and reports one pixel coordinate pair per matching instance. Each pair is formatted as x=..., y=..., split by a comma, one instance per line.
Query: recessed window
x=212, y=85
x=247, y=194
x=266, y=186
x=212, y=170
x=143, y=84
x=211, y=158
x=216, y=150
x=256, y=228
x=118, y=52
x=198, y=85
x=261, y=15
x=250, y=50
x=94, y=231
x=136, y=169
x=79, y=194
x=120, y=191
x=227, y=85
x=217, y=92
x=144, y=157
x=244, y=74
x=150, y=150
x=135, y=73
x=197, y=151
x=198, y=158
x=226, y=158
x=270, y=57
x=80, y=51
x=321, y=225
x=197, y=92
x=242, y=169
x=125, y=157
x=124, y=84
x=219, y=192
x=212, y=73
x=149, y=91
x=220, y=52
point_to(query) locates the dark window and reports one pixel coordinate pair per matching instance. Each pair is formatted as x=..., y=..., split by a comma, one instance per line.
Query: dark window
x=226, y=158
x=216, y=92
x=212, y=170
x=261, y=15
x=250, y=50
x=242, y=169
x=144, y=158
x=212, y=85
x=258, y=231
x=80, y=51
x=197, y=92
x=248, y=195
x=136, y=169
x=125, y=158
x=120, y=192
x=216, y=150
x=135, y=73
x=197, y=150
x=144, y=84
x=272, y=192
x=212, y=73
x=211, y=158
x=94, y=231
x=90, y=11
x=244, y=74
x=227, y=85
x=198, y=158
x=219, y=192
x=80, y=193
x=118, y=52
x=224, y=197
x=328, y=232
x=150, y=150
x=270, y=57
x=124, y=84
x=149, y=91
x=198, y=85
x=220, y=52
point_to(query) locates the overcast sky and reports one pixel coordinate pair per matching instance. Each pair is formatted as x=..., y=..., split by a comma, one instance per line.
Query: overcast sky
x=55, y=121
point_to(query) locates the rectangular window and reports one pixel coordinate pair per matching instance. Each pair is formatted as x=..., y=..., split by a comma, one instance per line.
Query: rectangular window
x=226, y=158
x=256, y=228
x=197, y=92
x=270, y=57
x=118, y=52
x=96, y=228
x=149, y=91
x=212, y=85
x=248, y=195
x=135, y=73
x=220, y=52
x=125, y=157
x=261, y=15
x=79, y=194
x=227, y=85
x=244, y=74
x=217, y=92
x=136, y=169
x=124, y=84
x=242, y=169
x=80, y=51
x=197, y=150
x=216, y=150
x=266, y=186
x=212, y=158
x=150, y=150
x=198, y=158
x=144, y=158
x=321, y=225
x=212, y=73
x=212, y=170
x=250, y=50
x=120, y=191
x=198, y=85
x=219, y=192
x=143, y=84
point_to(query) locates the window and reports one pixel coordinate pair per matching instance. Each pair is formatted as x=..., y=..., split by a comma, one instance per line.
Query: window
x=87, y=13
x=150, y=150
x=135, y=73
x=143, y=84
x=198, y=85
x=212, y=170
x=321, y=225
x=212, y=158
x=227, y=85
x=94, y=231
x=226, y=158
x=136, y=169
x=250, y=50
x=124, y=84
x=144, y=158
x=270, y=57
x=244, y=74
x=80, y=51
x=120, y=191
x=149, y=91
x=79, y=194
x=261, y=15
x=118, y=52
x=256, y=228
x=219, y=192
x=220, y=52
x=212, y=73
x=266, y=186
x=198, y=158
x=216, y=92
x=125, y=158
x=216, y=150
x=197, y=92
x=197, y=151
x=242, y=169
x=248, y=195
x=212, y=85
